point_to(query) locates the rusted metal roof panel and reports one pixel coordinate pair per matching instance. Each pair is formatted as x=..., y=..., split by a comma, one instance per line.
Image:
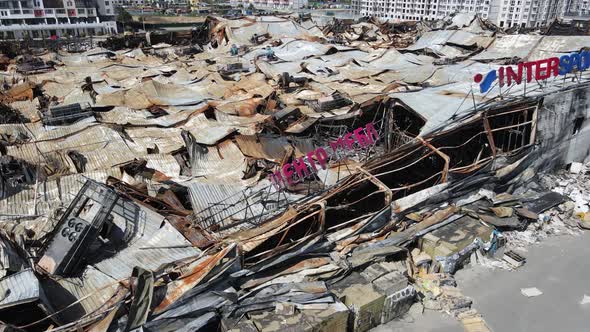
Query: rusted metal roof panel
x=269, y=148
x=509, y=46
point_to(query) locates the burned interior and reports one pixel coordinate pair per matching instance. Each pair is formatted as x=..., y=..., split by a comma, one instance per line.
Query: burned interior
x=280, y=171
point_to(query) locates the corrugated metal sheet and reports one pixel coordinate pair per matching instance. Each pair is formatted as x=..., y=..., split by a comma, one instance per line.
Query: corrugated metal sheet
x=269, y=148
x=164, y=163
x=556, y=46
x=52, y=133
x=21, y=287
x=206, y=131
x=151, y=247
x=24, y=203
x=217, y=201
x=28, y=108
x=469, y=39
x=50, y=194
x=151, y=93
x=301, y=49
x=224, y=204
x=461, y=20
x=126, y=116
x=509, y=46
x=224, y=162
x=166, y=139
x=437, y=105
x=246, y=125
x=241, y=34
x=94, y=287
x=432, y=40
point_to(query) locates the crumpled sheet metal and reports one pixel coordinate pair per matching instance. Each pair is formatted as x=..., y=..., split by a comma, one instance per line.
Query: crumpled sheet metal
x=241, y=107
x=152, y=93
x=163, y=140
x=223, y=163
x=206, y=131
x=122, y=115
x=260, y=147
x=191, y=278
x=301, y=49
x=556, y=46
x=509, y=46
x=241, y=33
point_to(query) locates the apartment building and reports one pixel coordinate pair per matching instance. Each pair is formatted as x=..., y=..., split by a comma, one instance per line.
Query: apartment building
x=415, y=10
x=131, y=3
x=271, y=4
x=47, y=18
x=576, y=8
x=504, y=13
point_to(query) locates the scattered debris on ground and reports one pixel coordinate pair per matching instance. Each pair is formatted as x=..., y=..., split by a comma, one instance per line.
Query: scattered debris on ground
x=270, y=173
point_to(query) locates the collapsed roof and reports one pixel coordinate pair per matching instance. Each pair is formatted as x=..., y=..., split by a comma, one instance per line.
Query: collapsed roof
x=176, y=160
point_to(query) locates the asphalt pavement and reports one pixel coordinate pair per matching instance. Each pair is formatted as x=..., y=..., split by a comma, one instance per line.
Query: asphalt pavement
x=559, y=267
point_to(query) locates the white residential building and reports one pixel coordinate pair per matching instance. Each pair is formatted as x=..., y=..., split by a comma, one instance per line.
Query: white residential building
x=131, y=3
x=271, y=4
x=573, y=8
x=415, y=10
x=504, y=13
x=46, y=18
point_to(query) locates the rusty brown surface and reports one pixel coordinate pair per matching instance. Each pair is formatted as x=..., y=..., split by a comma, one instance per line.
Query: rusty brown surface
x=187, y=281
x=310, y=263
x=193, y=233
x=19, y=92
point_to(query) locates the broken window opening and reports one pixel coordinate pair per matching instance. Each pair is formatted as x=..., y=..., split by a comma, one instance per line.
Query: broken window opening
x=578, y=125
x=512, y=130
x=304, y=225
x=467, y=147
x=403, y=125
x=412, y=171
x=356, y=200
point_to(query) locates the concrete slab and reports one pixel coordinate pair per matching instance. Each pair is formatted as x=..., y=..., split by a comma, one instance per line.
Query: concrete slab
x=558, y=266
x=432, y=321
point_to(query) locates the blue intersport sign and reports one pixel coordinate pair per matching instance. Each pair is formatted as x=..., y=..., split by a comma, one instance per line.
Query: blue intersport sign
x=539, y=69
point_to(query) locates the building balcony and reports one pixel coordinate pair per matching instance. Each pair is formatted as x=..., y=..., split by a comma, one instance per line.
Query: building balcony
x=50, y=12
x=56, y=26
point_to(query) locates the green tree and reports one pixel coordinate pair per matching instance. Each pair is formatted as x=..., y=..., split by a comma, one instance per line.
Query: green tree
x=124, y=16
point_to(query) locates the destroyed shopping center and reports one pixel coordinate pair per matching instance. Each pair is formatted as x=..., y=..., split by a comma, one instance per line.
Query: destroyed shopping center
x=137, y=191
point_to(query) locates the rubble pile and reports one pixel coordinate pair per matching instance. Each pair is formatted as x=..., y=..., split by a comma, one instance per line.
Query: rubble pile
x=279, y=174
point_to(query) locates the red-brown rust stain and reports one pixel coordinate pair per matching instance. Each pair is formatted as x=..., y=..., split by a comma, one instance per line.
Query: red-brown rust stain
x=311, y=263
x=178, y=288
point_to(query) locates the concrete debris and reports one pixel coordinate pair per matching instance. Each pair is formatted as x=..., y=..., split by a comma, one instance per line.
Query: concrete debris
x=269, y=173
x=530, y=292
x=576, y=168
x=514, y=259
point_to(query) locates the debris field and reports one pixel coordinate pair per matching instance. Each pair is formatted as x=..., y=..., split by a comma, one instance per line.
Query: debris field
x=274, y=172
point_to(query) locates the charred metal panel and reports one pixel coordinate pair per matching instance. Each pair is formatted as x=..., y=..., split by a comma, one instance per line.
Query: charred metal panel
x=78, y=228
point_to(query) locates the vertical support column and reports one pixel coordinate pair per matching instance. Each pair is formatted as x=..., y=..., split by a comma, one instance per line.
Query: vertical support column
x=446, y=158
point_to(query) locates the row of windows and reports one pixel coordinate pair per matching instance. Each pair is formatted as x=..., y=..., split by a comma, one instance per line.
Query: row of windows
x=399, y=15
